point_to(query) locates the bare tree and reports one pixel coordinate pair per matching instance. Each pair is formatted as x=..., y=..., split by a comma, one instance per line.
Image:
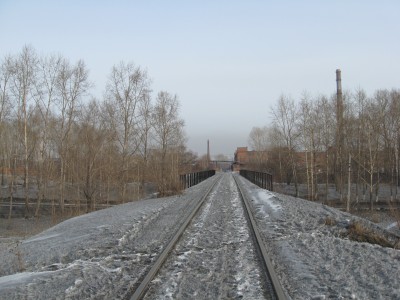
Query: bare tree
x=259, y=141
x=279, y=165
x=388, y=102
x=369, y=142
x=285, y=116
x=168, y=136
x=6, y=69
x=92, y=138
x=145, y=128
x=372, y=135
x=310, y=135
x=45, y=100
x=127, y=86
x=72, y=85
x=394, y=120
x=325, y=116
x=24, y=76
x=8, y=137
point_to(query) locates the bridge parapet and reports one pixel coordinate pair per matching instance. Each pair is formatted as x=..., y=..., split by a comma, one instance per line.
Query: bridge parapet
x=191, y=179
x=262, y=179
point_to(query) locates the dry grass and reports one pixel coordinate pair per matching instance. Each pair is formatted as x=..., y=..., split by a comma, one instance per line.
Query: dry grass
x=375, y=218
x=18, y=256
x=395, y=213
x=330, y=221
x=359, y=233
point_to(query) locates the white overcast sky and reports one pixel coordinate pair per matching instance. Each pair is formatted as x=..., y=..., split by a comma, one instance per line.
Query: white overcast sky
x=228, y=61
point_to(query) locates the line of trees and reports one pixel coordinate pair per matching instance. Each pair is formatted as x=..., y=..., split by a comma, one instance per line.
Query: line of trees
x=302, y=144
x=63, y=144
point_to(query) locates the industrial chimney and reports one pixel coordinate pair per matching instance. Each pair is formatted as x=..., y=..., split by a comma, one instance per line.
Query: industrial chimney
x=208, y=152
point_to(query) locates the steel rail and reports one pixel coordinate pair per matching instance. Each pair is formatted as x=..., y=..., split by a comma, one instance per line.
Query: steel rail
x=142, y=288
x=262, y=250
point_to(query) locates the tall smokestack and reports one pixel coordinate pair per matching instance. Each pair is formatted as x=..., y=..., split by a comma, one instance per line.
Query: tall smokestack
x=339, y=84
x=339, y=132
x=208, y=151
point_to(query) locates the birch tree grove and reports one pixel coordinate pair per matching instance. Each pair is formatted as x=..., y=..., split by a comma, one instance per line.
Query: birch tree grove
x=74, y=153
x=369, y=144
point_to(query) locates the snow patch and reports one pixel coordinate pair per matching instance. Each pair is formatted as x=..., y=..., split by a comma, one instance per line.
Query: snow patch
x=77, y=284
x=41, y=238
x=18, y=278
x=393, y=225
x=266, y=197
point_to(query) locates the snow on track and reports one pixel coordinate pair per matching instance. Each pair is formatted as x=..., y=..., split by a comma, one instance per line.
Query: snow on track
x=215, y=259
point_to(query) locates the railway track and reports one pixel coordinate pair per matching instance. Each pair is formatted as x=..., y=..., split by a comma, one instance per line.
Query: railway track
x=140, y=291
x=262, y=250
x=212, y=251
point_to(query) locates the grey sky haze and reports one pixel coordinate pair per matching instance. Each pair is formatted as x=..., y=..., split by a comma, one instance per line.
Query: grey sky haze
x=228, y=61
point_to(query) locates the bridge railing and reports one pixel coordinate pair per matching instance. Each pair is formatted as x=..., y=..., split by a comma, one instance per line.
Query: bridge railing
x=262, y=179
x=191, y=179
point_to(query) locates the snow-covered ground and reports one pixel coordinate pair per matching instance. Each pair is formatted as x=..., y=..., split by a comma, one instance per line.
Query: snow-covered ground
x=101, y=255
x=311, y=256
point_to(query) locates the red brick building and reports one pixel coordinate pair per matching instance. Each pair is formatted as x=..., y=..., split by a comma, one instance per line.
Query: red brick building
x=245, y=159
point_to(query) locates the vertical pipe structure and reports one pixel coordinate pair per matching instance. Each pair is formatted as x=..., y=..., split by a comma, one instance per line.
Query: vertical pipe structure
x=339, y=132
x=208, y=154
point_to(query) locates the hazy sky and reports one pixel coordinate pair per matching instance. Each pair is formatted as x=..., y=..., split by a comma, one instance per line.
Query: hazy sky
x=228, y=61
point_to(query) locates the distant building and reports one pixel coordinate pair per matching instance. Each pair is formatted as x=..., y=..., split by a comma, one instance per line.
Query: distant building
x=245, y=159
x=241, y=155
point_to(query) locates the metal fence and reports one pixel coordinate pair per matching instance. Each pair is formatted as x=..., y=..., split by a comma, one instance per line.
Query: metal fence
x=262, y=179
x=191, y=179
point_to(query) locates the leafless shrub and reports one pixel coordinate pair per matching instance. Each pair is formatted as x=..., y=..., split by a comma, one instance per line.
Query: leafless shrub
x=359, y=233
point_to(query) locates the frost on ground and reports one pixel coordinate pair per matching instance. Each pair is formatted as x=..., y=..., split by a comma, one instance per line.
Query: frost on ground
x=99, y=255
x=103, y=254
x=312, y=255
